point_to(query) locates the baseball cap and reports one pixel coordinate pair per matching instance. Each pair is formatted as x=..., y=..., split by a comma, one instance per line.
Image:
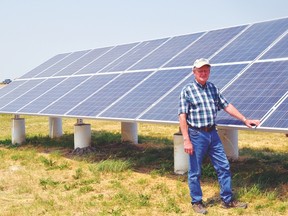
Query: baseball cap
x=201, y=62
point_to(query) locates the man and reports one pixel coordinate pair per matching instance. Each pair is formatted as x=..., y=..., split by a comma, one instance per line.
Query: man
x=199, y=103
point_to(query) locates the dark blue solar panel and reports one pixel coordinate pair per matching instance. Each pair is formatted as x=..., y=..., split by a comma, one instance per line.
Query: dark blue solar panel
x=279, y=118
x=32, y=94
x=120, y=91
x=134, y=103
x=257, y=90
x=221, y=75
x=68, y=101
x=62, y=64
x=44, y=66
x=53, y=94
x=13, y=85
x=18, y=91
x=83, y=61
x=166, y=52
x=166, y=109
x=107, y=59
x=279, y=50
x=252, y=42
x=109, y=94
x=205, y=46
x=134, y=55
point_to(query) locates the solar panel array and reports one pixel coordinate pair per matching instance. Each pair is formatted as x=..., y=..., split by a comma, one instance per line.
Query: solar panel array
x=142, y=81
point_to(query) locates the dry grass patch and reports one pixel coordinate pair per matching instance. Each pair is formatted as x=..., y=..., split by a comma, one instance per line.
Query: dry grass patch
x=42, y=177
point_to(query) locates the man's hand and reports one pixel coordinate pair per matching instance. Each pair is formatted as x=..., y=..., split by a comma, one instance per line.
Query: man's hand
x=188, y=147
x=251, y=123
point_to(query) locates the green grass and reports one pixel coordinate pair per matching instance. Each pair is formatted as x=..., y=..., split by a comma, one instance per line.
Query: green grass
x=43, y=177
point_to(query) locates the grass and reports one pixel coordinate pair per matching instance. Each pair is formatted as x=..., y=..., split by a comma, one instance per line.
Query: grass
x=42, y=177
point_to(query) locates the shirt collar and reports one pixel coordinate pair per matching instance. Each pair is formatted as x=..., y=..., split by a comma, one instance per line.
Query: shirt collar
x=199, y=85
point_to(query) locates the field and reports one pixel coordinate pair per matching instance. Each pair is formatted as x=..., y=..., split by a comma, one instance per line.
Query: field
x=44, y=177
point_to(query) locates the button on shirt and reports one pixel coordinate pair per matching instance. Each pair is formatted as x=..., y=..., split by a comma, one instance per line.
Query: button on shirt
x=201, y=103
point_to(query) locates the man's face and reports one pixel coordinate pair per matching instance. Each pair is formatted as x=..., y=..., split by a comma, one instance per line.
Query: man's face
x=202, y=74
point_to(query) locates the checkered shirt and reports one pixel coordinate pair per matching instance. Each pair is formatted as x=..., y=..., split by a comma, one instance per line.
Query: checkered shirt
x=201, y=103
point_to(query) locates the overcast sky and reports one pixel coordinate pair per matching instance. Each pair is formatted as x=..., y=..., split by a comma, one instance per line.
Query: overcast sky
x=32, y=31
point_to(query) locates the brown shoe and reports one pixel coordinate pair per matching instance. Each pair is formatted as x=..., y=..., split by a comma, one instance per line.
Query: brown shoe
x=234, y=204
x=199, y=207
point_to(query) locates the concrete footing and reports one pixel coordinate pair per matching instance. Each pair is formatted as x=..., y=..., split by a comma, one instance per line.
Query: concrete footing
x=82, y=135
x=229, y=138
x=55, y=127
x=129, y=132
x=180, y=157
x=18, y=130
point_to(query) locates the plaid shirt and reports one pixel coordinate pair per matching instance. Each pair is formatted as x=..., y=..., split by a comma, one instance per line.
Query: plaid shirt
x=201, y=103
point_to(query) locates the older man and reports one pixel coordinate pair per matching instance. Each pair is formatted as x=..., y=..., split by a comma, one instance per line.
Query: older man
x=199, y=102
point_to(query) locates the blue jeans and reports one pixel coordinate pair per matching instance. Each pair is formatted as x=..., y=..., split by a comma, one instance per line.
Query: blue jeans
x=208, y=143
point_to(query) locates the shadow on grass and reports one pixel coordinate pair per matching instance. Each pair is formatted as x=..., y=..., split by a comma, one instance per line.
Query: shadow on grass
x=262, y=167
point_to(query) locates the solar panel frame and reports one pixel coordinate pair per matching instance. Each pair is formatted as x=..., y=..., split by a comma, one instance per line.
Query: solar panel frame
x=242, y=49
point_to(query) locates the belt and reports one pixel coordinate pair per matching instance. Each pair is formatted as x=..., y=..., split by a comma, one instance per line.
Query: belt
x=206, y=129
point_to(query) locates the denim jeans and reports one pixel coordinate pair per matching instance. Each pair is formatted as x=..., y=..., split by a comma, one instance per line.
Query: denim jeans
x=208, y=143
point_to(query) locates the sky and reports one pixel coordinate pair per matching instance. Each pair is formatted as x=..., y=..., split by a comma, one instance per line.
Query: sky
x=33, y=31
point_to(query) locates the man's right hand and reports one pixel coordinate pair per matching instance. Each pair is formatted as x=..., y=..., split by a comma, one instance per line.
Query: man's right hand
x=188, y=147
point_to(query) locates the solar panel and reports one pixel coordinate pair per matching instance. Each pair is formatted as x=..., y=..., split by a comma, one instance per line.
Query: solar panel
x=11, y=87
x=166, y=108
x=257, y=90
x=279, y=118
x=78, y=94
x=82, y=61
x=167, y=51
x=17, y=92
x=44, y=66
x=106, y=59
x=139, y=99
x=252, y=42
x=108, y=95
x=279, y=50
x=205, y=47
x=135, y=55
x=30, y=95
x=51, y=95
x=142, y=81
x=65, y=62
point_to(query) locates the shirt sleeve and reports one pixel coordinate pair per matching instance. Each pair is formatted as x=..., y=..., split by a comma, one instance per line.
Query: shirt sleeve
x=183, y=102
x=223, y=102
